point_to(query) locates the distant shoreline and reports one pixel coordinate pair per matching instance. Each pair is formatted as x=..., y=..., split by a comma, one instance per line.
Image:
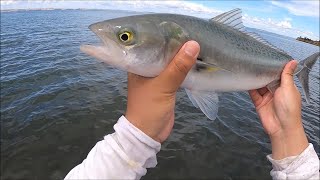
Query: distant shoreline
x=307, y=40
x=62, y=9
x=15, y=10
x=45, y=9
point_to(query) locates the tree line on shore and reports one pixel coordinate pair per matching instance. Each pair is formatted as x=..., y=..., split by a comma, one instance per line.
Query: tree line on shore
x=308, y=40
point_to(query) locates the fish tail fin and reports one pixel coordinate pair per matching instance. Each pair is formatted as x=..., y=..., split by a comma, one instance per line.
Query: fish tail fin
x=303, y=74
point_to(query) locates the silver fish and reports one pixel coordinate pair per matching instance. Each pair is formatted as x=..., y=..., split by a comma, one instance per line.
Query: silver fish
x=231, y=59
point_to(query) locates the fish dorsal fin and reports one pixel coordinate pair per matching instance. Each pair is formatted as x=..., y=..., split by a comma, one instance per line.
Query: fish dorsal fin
x=263, y=41
x=231, y=18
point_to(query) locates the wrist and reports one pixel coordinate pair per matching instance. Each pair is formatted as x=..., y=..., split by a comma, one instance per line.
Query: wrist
x=142, y=124
x=137, y=146
x=286, y=143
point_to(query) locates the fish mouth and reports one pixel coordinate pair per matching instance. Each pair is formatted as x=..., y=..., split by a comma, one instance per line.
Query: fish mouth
x=99, y=52
x=109, y=51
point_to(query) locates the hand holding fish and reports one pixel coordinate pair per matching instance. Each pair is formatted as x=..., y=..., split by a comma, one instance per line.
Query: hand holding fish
x=280, y=114
x=151, y=101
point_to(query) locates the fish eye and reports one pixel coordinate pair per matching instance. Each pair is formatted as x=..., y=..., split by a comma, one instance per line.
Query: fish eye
x=125, y=36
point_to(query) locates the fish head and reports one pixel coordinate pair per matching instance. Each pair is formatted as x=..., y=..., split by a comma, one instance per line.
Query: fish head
x=135, y=44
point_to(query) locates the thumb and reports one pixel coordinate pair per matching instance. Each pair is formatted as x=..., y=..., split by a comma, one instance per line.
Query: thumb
x=177, y=70
x=287, y=73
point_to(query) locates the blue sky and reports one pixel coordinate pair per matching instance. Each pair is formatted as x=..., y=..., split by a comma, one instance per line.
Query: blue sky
x=290, y=18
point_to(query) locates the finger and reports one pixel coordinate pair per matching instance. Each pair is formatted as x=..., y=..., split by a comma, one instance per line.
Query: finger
x=287, y=74
x=135, y=80
x=263, y=90
x=131, y=76
x=131, y=80
x=267, y=96
x=177, y=70
x=137, y=77
x=255, y=97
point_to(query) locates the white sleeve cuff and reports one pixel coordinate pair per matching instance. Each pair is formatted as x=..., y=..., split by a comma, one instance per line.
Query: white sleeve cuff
x=124, y=154
x=303, y=166
x=139, y=147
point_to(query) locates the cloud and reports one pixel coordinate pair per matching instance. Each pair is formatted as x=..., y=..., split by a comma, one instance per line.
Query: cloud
x=284, y=24
x=7, y=2
x=283, y=27
x=180, y=7
x=300, y=8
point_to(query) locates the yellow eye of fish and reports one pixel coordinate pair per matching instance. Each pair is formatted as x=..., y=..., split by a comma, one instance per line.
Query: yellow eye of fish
x=125, y=36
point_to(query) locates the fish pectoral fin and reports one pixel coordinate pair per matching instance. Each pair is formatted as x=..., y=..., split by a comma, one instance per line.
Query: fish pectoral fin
x=174, y=36
x=213, y=69
x=205, y=100
x=172, y=30
x=206, y=67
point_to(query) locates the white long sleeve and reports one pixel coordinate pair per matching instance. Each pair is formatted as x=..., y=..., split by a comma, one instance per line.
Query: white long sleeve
x=303, y=166
x=127, y=153
x=124, y=154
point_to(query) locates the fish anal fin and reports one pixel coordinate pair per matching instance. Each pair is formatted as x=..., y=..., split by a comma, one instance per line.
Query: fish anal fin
x=206, y=101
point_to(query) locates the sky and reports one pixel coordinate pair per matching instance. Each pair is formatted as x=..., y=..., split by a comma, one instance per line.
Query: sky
x=287, y=17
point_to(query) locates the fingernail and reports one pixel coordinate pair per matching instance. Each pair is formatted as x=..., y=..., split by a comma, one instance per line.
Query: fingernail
x=293, y=65
x=192, y=49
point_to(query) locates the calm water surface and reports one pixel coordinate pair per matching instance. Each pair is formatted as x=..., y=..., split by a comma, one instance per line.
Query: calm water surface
x=57, y=102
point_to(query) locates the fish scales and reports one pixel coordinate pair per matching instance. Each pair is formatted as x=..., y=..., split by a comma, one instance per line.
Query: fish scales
x=231, y=59
x=229, y=47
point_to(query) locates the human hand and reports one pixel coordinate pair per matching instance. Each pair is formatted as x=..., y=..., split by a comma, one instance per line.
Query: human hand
x=280, y=114
x=151, y=101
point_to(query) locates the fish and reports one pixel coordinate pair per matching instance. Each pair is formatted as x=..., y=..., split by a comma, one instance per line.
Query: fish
x=231, y=59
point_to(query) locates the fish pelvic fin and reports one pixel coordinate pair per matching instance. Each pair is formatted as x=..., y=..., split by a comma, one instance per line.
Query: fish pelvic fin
x=206, y=101
x=303, y=74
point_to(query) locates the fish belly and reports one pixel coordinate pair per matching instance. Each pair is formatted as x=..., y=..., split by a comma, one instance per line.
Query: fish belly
x=226, y=82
